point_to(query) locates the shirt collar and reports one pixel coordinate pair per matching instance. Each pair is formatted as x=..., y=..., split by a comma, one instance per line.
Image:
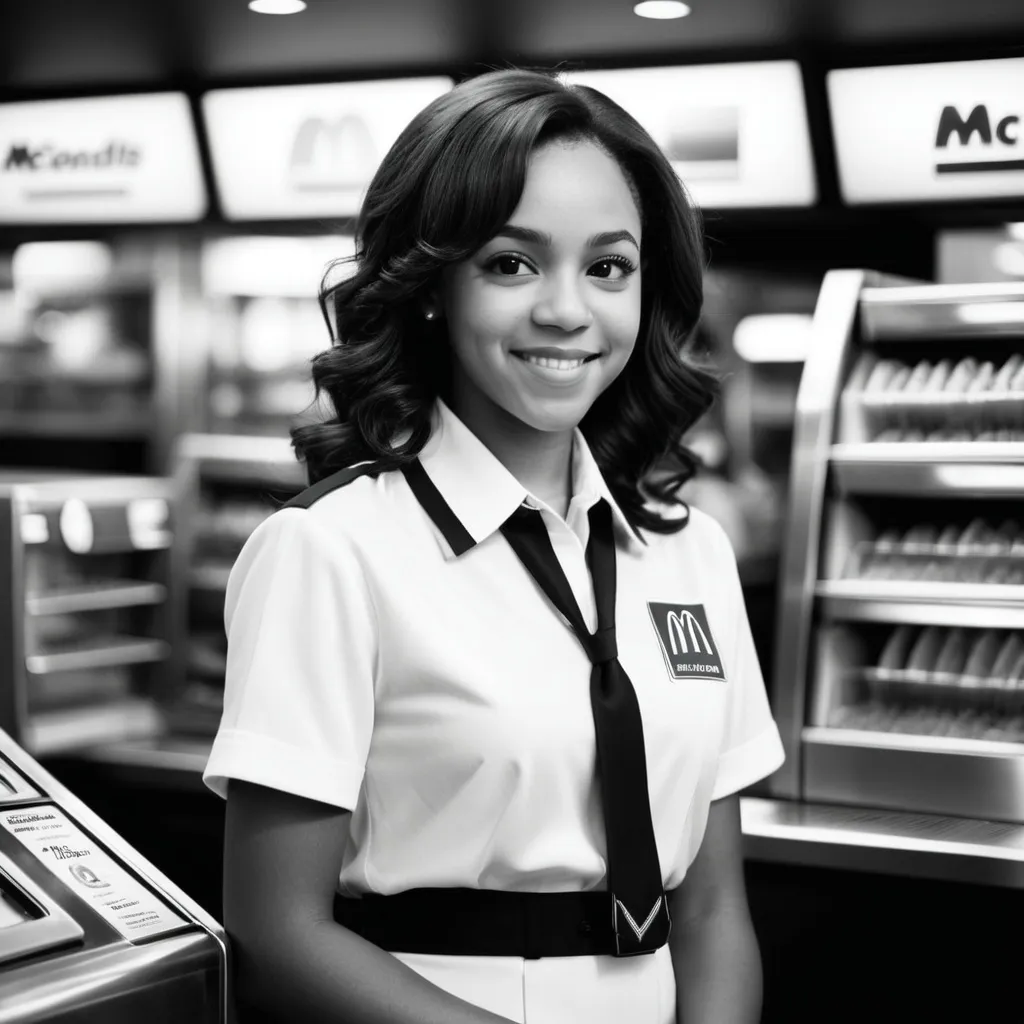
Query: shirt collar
x=482, y=493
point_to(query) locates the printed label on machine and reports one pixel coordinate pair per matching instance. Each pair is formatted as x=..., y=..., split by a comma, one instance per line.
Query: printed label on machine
x=82, y=865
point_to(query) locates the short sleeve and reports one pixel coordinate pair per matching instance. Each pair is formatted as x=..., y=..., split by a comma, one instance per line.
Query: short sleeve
x=751, y=746
x=298, y=690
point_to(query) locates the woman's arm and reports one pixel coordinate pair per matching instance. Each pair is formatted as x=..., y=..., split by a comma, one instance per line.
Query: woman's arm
x=714, y=949
x=291, y=961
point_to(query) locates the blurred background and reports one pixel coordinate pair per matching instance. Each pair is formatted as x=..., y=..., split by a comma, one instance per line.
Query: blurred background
x=175, y=177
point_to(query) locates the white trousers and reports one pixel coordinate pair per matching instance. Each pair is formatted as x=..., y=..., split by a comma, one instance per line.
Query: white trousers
x=559, y=990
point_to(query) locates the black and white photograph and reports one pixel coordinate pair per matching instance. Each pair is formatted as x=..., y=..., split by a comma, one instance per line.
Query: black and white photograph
x=511, y=513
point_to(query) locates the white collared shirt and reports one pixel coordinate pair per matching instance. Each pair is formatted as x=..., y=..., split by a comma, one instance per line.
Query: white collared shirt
x=443, y=700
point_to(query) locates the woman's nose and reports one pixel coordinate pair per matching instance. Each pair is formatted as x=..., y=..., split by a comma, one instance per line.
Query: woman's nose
x=562, y=304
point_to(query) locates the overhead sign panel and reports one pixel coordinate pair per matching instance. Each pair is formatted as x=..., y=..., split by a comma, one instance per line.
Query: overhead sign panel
x=298, y=151
x=925, y=132
x=736, y=134
x=110, y=159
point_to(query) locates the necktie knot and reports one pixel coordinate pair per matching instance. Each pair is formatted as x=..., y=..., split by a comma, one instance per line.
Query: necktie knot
x=601, y=646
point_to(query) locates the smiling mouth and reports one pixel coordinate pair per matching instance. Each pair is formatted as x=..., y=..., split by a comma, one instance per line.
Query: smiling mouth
x=554, y=364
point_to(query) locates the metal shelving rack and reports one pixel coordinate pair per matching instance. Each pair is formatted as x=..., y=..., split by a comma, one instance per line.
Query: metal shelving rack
x=224, y=485
x=85, y=626
x=930, y=736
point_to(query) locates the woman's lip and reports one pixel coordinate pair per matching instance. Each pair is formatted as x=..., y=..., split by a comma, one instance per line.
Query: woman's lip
x=556, y=378
x=563, y=355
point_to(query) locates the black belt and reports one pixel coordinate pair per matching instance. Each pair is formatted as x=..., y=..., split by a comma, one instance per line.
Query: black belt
x=486, y=922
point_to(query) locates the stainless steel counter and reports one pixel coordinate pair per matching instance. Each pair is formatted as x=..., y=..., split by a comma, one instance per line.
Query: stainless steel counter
x=886, y=842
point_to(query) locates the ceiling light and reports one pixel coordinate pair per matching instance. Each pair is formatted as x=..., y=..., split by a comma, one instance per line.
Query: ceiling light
x=661, y=9
x=277, y=6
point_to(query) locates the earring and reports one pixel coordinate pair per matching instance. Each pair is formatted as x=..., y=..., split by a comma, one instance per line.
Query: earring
x=430, y=314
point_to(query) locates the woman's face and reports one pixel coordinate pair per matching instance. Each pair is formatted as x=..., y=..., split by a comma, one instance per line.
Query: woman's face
x=544, y=317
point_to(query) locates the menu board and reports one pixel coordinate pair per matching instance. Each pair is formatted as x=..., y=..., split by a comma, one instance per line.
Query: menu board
x=296, y=151
x=736, y=134
x=922, y=132
x=110, y=159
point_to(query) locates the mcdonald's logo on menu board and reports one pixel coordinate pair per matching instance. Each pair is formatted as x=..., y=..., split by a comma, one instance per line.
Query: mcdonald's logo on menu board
x=284, y=151
x=922, y=132
x=108, y=159
x=979, y=123
x=333, y=155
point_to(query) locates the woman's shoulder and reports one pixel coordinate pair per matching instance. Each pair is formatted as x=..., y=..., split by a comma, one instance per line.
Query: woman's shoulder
x=339, y=512
x=702, y=536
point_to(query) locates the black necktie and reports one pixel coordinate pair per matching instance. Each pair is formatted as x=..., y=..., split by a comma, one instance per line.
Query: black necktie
x=638, y=906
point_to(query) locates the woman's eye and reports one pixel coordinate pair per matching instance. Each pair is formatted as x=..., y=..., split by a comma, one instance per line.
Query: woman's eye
x=613, y=269
x=507, y=266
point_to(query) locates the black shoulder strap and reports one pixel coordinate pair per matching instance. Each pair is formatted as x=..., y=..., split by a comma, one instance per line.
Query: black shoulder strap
x=343, y=477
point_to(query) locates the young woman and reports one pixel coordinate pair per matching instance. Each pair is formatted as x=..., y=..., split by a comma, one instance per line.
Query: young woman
x=490, y=697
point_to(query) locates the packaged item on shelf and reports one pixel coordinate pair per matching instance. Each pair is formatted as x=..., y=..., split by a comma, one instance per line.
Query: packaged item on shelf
x=917, y=546
x=977, y=673
x=898, y=380
x=925, y=652
x=877, y=563
x=920, y=374
x=921, y=537
x=1003, y=536
x=973, y=537
x=961, y=377
x=999, y=572
x=1008, y=657
x=883, y=372
x=939, y=376
x=1016, y=671
x=983, y=378
x=952, y=659
x=896, y=651
x=1004, y=379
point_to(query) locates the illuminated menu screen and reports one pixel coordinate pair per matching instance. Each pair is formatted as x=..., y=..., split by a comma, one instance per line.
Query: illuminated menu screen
x=307, y=150
x=111, y=159
x=736, y=134
x=926, y=132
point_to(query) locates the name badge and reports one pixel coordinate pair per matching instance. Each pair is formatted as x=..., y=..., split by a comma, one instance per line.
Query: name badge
x=687, y=643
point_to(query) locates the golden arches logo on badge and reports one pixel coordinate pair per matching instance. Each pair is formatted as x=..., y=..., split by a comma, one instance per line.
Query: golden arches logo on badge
x=687, y=642
x=679, y=627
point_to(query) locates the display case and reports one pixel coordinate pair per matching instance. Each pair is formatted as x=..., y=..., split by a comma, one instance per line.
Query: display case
x=85, y=616
x=226, y=486
x=97, y=366
x=899, y=675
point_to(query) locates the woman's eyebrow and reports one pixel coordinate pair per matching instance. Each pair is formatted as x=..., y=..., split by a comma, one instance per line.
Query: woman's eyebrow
x=542, y=238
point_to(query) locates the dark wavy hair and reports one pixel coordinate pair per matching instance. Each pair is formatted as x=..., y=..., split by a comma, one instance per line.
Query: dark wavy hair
x=449, y=183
